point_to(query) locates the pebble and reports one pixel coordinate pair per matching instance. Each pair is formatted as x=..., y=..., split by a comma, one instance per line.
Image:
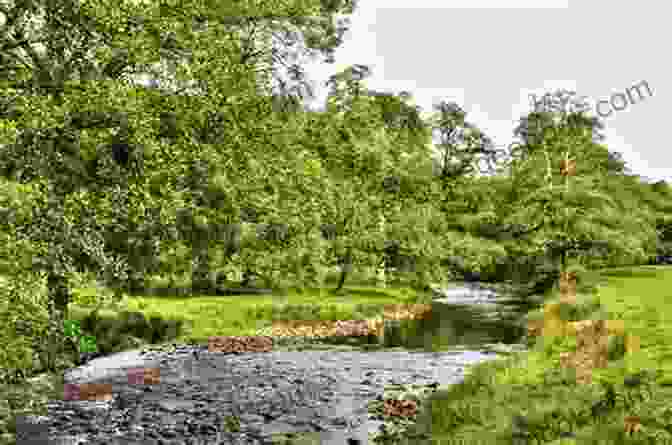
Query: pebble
x=270, y=393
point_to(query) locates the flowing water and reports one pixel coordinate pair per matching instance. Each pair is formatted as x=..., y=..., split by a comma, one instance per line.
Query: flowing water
x=464, y=317
x=465, y=321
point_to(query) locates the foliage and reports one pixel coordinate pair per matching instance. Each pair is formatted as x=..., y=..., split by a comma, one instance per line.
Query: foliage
x=84, y=143
x=23, y=309
x=107, y=183
x=579, y=215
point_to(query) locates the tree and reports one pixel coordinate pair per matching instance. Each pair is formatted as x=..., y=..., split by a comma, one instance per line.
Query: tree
x=496, y=212
x=656, y=200
x=54, y=84
x=267, y=43
x=259, y=52
x=464, y=146
x=168, y=42
x=409, y=195
x=39, y=148
x=544, y=117
x=576, y=213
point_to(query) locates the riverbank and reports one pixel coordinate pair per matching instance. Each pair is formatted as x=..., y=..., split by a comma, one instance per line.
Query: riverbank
x=532, y=385
x=530, y=396
x=245, y=314
x=270, y=394
x=205, y=316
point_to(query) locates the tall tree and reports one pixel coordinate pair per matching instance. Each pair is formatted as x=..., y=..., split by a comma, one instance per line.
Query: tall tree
x=464, y=147
x=34, y=85
x=545, y=116
x=410, y=195
x=576, y=212
x=63, y=106
x=323, y=35
x=267, y=43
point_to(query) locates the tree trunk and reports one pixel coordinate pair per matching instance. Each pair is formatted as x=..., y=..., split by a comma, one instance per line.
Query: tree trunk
x=58, y=291
x=201, y=262
x=59, y=297
x=345, y=267
x=247, y=278
x=341, y=280
x=382, y=278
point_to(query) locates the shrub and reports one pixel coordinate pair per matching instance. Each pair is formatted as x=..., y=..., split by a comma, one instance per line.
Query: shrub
x=135, y=324
x=24, y=325
x=24, y=319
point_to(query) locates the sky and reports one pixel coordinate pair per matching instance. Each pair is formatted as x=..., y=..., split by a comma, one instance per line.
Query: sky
x=491, y=57
x=491, y=60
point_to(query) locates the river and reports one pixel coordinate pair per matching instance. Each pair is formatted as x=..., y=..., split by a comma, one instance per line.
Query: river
x=328, y=393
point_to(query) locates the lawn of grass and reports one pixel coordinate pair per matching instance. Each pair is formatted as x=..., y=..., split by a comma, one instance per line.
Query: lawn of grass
x=244, y=315
x=484, y=409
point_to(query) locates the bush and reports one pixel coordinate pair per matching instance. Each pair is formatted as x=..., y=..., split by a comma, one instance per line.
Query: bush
x=25, y=323
x=24, y=320
x=115, y=332
x=87, y=292
x=135, y=324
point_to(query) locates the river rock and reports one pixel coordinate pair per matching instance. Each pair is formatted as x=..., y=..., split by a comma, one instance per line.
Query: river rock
x=272, y=393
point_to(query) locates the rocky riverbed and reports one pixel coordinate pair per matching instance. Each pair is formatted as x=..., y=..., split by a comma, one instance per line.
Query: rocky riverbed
x=266, y=395
x=255, y=398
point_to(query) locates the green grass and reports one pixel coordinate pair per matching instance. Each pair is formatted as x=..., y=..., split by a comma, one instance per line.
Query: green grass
x=245, y=315
x=482, y=408
x=531, y=384
x=213, y=316
x=242, y=315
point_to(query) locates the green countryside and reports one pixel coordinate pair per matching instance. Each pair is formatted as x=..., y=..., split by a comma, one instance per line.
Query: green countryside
x=136, y=217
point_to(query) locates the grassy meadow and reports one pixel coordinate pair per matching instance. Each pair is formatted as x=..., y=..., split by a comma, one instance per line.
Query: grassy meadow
x=529, y=398
x=245, y=315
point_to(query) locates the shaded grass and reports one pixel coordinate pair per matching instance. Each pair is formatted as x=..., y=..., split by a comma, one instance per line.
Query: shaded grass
x=246, y=315
x=528, y=398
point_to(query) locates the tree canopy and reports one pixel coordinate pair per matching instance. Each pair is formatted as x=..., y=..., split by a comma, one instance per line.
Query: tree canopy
x=211, y=172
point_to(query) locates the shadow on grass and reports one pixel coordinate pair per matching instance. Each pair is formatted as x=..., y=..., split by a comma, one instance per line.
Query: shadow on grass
x=190, y=292
x=640, y=272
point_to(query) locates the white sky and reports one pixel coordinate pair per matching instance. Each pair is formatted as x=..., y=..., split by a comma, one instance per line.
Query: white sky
x=490, y=61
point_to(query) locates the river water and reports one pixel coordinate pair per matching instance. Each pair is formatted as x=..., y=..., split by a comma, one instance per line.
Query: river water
x=323, y=392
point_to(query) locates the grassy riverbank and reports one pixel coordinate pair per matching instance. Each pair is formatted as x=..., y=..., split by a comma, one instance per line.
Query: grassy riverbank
x=214, y=316
x=236, y=315
x=247, y=315
x=530, y=396
x=483, y=409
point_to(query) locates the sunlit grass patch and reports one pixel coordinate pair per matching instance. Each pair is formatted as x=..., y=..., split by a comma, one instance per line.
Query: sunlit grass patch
x=529, y=396
x=246, y=315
